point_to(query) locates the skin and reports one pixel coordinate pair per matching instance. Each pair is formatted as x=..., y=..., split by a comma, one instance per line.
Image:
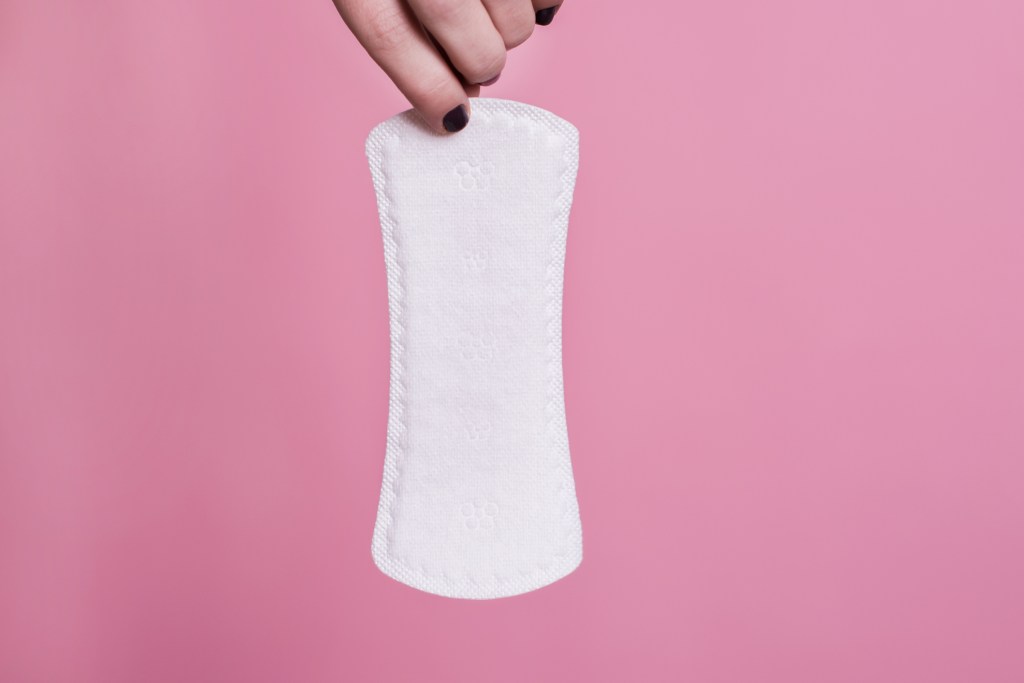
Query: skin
x=440, y=52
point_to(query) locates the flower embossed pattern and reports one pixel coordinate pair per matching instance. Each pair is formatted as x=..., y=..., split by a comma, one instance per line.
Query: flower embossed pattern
x=475, y=260
x=478, y=431
x=476, y=347
x=479, y=514
x=474, y=176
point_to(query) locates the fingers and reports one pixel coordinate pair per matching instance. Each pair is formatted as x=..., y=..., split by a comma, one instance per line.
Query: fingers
x=465, y=31
x=396, y=41
x=514, y=20
x=438, y=52
x=545, y=11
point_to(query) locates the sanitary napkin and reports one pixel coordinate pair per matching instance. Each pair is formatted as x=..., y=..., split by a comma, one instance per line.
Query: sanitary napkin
x=478, y=498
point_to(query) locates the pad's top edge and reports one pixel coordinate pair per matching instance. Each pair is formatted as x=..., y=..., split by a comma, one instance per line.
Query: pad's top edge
x=482, y=108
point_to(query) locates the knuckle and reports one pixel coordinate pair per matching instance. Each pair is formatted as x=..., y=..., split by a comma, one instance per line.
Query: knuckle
x=433, y=96
x=387, y=28
x=486, y=66
x=440, y=10
x=518, y=35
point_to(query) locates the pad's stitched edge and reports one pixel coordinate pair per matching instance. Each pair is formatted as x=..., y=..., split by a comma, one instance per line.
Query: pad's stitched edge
x=565, y=561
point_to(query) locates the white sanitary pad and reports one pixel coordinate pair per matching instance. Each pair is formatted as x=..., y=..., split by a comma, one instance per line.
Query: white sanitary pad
x=478, y=499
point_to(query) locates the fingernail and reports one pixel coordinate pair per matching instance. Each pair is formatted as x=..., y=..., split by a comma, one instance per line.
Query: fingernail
x=545, y=16
x=491, y=81
x=456, y=119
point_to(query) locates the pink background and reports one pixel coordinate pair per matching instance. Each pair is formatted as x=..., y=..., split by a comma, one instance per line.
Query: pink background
x=793, y=348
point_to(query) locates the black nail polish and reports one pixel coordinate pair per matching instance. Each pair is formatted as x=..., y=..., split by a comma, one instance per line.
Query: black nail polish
x=456, y=119
x=546, y=16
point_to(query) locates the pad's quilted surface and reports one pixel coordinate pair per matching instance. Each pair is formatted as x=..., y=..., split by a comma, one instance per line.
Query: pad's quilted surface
x=478, y=498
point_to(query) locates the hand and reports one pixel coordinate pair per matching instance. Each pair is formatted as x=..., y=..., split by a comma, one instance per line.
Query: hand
x=439, y=52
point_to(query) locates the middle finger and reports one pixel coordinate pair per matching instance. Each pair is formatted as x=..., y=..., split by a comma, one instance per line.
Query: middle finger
x=465, y=31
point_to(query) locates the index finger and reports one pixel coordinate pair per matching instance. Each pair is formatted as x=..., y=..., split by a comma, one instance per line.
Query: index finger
x=395, y=40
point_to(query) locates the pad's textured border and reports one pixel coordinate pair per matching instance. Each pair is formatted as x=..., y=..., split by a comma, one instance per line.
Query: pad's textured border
x=566, y=560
